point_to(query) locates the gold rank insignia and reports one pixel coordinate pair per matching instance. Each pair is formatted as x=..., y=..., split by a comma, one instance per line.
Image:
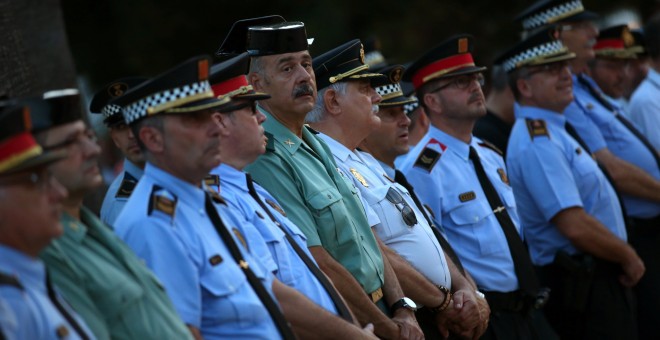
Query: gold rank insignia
x=126, y=188
x=388, y=178
x=536, y=128
x=240, y=238
x=212, y=181
x=160, y=202
x=289, y=143
x=503, y=176
x=467, y=196
x=462, y=45
x=359, y=177
x=427, y=159
x=362, y=54
x=215, y=260
x=275, y=206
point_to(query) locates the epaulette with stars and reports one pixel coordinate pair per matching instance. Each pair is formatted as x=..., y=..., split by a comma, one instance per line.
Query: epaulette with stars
x=489, y=145
x=537, y=128
x=127, y=186
x=162, y=201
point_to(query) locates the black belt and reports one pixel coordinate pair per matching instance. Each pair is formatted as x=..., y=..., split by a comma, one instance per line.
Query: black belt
x=516, y=301
x=646, y=225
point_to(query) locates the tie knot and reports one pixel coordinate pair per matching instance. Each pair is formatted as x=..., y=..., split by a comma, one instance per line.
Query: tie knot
x=473, y=154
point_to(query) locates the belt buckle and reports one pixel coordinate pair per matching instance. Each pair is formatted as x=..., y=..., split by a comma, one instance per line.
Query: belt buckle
x=376, y=295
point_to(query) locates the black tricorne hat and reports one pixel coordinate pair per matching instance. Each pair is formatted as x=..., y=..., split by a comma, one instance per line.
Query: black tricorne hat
x=100, y=102
x=450, y=58
x=548, y=12
x=228, y=80
x=235, y=42
x=182, y=89
x=342, y=63
x=543, y=47
x=285, y=37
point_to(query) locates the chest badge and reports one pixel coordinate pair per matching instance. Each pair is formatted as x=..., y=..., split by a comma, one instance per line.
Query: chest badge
x=275, y=206
x=467, y=196
x=359, y=177
x=289, y=143
x=503, y=176
x=240, y=238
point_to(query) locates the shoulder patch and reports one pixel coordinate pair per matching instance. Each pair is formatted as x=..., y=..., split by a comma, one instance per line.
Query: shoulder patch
x=10, y=280
x=163, y=201
x=127, y=186
x=427, y=159
x=536, y=128
x=270, y=141
x=489, y=145
x=212, y=181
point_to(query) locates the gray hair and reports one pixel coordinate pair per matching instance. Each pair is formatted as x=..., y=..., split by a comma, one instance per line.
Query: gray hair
x=317, y=113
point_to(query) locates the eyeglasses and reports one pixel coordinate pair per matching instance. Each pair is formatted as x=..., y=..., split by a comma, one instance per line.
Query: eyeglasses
x=463, y=82
x=41, y=178
x=406, y=211
x=552, y=68
x=87, y=135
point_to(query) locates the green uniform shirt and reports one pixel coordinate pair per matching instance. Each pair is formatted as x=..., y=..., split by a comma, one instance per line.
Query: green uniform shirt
x=305, y=180
x=111, y=289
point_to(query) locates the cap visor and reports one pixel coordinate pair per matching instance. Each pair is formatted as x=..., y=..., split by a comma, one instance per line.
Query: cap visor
x=397, y=101
x=43, y=159
x=199, y=105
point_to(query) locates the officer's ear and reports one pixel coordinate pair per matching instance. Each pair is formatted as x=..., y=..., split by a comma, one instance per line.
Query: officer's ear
x=223, y=120
x=255, y=80
x=432, y=102
x=152, y=138
x=331, y=102
x=524, y=88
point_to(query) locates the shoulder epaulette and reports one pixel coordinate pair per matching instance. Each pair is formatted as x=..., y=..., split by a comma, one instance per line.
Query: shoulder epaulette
x=127, y=186
x=9, y=280
x=536, y=128
x=311, y=129
x=270, y=144
x=216, y=197
x=489, y=145
x=212, y=181
x=427, y=159
x=162, y=200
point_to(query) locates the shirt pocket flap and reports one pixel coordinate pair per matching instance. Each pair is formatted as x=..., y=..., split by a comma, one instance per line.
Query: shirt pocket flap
x=222, y=280
x=324, y=198
x=470, y=212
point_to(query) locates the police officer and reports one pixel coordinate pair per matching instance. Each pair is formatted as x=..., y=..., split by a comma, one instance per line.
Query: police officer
x=30, y=206
x=574, y=224
x=626, y=155
x=242, y=141
x=102, y=278
x=325, y=206
x=122, y=186
x=465, y=183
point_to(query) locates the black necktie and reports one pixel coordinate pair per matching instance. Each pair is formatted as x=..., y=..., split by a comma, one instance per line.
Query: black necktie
x=258, y=287
x=400, y=178
x=603, y=101
x=573, y=133
x=65, y=313
x=342, y=309
x=521, y=262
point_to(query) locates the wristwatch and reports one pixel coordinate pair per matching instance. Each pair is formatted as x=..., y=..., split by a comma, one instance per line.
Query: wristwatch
x=404, y=303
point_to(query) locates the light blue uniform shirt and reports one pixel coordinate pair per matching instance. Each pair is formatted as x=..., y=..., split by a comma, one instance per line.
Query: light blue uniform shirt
x=550, y=173
x=119, y=191
x=618, y=139
x=166, y=224
x=450, y=187
x=28, y=312
x=644, y=108
x=291, y=269
x=416, y=244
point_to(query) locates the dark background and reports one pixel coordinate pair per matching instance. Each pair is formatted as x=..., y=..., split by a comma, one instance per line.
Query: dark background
x=111, y=39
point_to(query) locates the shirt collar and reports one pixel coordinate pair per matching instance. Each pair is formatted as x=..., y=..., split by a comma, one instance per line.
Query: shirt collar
x=28, y=270
x=456, y=146
x=654, y=77
x=184, y=191
x=133, y=169
x=231, y=177
x=341, y=152
x=532, y=112
x=73, y=228
x=283, y=136
x=388, y=169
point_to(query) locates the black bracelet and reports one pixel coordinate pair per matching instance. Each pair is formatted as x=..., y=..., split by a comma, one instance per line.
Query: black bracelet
x=445, y=303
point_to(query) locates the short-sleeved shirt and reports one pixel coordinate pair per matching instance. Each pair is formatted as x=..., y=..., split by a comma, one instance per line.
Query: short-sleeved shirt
x=107, y=284
x=550, y=172
x=444, y=178
x=603, y=125
x=165, y=222
x=119, y=192
x=291, y=270
x=416, y=244
x=302, y=175
x=27, y=312
x=644, y=108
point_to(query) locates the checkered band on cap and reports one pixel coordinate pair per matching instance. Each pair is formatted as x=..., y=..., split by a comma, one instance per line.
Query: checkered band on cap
x=389, y=91
x=110, y=110
x=553, y=14
x=164, y=100
x=545, y=50
x=410, y=107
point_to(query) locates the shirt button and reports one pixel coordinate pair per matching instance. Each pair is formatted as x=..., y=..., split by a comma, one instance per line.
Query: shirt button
x=329, y=196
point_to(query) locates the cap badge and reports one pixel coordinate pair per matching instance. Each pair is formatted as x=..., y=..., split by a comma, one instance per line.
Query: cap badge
x=462, y=45
x=117, y=89
x=361, y=54
x=395, y=76
x=628, y=39
x=203, y=69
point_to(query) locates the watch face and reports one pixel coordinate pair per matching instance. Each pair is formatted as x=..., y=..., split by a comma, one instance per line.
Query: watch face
x=410, y=303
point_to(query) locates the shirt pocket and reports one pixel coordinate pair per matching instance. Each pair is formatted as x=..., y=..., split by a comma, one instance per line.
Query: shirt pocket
x=474, y=221
x=115, y=296
x=585, y=171
x=392, y=224
x=328, y=213
x=223, y=300
x=279, y=249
